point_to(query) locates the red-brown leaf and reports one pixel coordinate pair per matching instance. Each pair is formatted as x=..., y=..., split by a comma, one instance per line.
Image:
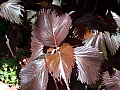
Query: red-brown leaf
x=50, y=29
x=88, y=62
x=60, y=64
x=112, y=83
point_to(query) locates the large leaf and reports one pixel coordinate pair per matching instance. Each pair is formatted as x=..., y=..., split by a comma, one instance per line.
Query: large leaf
x=50, y=29
x=60, y=64
x=34, y=76
x=37, y=49
x=112, y=83
x=11, y=10
x=88, y=62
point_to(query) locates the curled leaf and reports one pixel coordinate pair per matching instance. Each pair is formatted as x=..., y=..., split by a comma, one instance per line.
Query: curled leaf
x=60, y=64
x=88, y=62
x=11, y=10
x=34, y=76
x=50, y=29
x=112, y=83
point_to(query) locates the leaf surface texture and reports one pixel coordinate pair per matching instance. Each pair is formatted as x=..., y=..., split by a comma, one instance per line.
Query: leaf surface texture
x=36, y=48
x=34, y=76
x=11, y=10
x=88, y=62
x=50, y=29
x=112, y=83
x=60, y=64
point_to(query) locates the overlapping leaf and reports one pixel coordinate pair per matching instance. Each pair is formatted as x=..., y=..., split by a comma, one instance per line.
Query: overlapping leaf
x=11, y=10
x=34, y=76
x=102, y=40
x=88, y=62
x=60, y=64
x=116, y=37
x=112, y=83
x=37, y=49
x=87, y=20
x=97, y=41
x=111, y=43
x=50, y=29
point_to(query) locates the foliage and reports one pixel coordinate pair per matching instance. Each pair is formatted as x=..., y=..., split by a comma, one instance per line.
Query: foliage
x=112, y=83
x=8, y=68
x=61, y=42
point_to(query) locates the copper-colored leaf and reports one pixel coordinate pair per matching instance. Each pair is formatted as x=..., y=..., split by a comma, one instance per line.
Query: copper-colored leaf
x=88, y=62
x=112, y=83
x=88, y=34
x=34, y=76
x=37, y=49
x=60, y=64
x=11, y=10
x=50, y=29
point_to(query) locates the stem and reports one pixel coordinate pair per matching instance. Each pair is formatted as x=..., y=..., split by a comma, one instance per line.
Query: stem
x=56, y=86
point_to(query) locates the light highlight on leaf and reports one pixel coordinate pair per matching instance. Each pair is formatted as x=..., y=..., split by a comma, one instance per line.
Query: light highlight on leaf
x=111, y=43
x=103, y=40
x=57, y=2
x=112, y=83
x=50, y=29
x=116, y=18
x=88, y=62
x=34, y=76
x=11, y=10
x=36, y=48
x=60, y=64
